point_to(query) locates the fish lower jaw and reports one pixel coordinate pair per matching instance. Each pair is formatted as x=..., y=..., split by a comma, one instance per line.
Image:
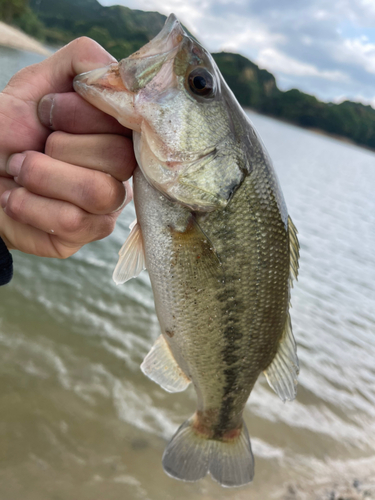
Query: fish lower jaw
x=110, y=97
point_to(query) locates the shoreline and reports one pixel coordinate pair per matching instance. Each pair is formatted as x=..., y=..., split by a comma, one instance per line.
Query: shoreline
x=14, y=38
x=317, y=131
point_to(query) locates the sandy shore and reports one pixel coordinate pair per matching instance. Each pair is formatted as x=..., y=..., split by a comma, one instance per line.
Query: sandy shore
x=16, y=39
x=342, y=489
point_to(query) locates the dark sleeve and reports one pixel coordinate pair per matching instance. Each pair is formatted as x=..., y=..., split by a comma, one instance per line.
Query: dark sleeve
x=6, y=264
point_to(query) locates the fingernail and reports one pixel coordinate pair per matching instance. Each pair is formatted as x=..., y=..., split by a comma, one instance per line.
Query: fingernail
x=4, y=199
x=45, y=109
x=14, y=164
x=128, y=192
x=128, y=196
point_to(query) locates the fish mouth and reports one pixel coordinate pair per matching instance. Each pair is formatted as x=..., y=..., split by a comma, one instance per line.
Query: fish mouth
x=114, y=88
x=104, y=78
x=105, y=89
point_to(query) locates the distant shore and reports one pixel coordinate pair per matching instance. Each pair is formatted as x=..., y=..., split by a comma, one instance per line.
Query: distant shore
x=318, y=131
x=16, y=39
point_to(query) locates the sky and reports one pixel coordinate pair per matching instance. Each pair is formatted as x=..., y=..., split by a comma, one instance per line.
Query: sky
x=322, y=47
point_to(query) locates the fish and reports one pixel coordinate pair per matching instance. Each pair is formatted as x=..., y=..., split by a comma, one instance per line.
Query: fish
x=214, y=233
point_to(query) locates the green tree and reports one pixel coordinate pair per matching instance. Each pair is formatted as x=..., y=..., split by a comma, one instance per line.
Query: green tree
x=12, y=8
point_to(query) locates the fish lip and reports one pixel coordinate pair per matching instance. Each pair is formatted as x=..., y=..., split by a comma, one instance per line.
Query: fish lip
x=102, y=78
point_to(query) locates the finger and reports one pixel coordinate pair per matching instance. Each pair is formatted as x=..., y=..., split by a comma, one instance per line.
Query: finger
x=56, y=73
x=109, y=153
x=70, y=113
x=93, y=191
x=21, y=128
x=73, y=226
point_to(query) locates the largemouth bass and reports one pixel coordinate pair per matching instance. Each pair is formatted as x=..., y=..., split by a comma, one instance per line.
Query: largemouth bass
x=214, y=233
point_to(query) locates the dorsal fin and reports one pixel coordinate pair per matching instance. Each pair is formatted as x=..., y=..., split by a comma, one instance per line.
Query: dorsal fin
x=294, y=251
x=131, y=256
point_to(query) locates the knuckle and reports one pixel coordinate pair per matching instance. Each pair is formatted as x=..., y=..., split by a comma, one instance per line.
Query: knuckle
x=64, y=250
x=83, y=43
x=53, y=144
x=72, y=220
x=22, y=76
x=29, y=174
x=16, y=203
x=104, y=194
x=106, y=227
x=83, y=40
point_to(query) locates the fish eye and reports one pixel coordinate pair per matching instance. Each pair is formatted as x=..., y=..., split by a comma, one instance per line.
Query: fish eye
x=201, y=82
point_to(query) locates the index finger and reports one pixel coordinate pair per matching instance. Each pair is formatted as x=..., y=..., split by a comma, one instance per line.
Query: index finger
x=70, y=113
x=56, y=73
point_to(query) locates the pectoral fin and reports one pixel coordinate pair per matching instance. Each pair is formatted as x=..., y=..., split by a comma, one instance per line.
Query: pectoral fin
x=160, y=366
x=283, y=371
x=194, y=252
x=131, y=256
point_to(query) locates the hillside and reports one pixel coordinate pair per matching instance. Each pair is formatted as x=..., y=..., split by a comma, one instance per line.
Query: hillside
x=123, y=31
x=120, y=30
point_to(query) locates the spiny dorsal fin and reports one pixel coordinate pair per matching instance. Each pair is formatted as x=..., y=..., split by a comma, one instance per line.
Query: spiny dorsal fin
x=283, y=371
x=294, y=251
x=131, y=256
x=160, y=366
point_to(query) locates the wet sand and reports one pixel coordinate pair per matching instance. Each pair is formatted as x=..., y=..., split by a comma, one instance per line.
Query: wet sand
x=340, y=490
x=16, y=39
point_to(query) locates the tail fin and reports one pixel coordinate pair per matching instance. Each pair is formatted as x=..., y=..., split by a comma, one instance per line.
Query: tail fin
x=190, y=456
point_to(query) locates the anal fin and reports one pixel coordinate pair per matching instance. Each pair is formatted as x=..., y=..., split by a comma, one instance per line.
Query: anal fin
x=283, y=371
x=160, y=366
x=131, y=256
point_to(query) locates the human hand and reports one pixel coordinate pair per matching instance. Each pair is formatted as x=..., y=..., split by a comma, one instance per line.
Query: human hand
x=55, y=202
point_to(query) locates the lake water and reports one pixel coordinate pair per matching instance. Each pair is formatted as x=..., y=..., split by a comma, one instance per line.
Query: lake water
x=80, y=420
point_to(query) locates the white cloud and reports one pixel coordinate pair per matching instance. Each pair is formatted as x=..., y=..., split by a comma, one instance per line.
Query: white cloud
x=275, y=60
x=358, y=51
x=238, y=38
